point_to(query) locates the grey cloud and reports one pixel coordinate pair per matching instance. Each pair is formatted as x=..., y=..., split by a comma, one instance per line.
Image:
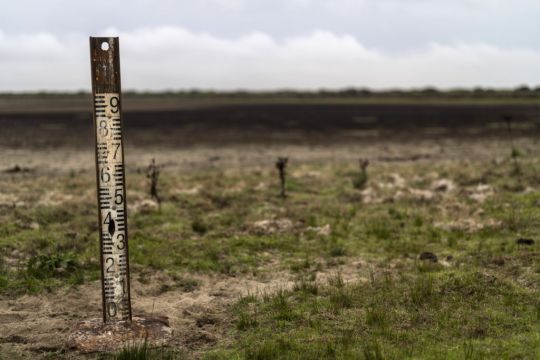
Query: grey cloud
x=171, y=57
x=389, y=25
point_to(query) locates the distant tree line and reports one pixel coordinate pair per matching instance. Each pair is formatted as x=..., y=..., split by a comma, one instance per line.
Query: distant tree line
x=521, y=92
x=428, y=92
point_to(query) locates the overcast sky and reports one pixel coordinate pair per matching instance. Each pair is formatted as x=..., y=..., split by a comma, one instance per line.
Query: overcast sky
x=270, y=44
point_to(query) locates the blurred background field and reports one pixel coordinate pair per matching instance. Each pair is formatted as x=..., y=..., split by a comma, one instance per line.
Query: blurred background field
x=430, y=252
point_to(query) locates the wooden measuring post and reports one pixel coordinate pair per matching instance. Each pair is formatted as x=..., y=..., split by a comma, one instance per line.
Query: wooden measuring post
x=118, y=328
x=110, y=174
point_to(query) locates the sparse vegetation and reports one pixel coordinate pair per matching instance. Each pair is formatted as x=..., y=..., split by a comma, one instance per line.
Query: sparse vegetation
x=514, y=153
x=152, y=173
x=146, y=352
x=360, y=180
x=447, y=314
x=437, y=257
x=281, y=165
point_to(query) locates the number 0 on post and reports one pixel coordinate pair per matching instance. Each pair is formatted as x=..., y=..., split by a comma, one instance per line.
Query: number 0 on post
x=111, y=189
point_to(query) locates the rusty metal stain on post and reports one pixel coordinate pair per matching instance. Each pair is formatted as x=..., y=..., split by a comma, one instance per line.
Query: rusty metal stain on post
x=105, y=65
x=110, y=178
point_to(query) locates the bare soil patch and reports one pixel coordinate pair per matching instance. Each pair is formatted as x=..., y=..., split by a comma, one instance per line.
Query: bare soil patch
x=39, y=325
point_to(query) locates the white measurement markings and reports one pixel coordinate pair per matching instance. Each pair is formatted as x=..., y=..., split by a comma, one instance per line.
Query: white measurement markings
x=112, y=206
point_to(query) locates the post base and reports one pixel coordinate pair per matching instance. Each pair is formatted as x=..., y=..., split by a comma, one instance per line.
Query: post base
x=96, y=336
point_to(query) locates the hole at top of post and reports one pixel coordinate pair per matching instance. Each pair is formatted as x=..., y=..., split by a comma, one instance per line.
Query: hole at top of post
x=105, y=46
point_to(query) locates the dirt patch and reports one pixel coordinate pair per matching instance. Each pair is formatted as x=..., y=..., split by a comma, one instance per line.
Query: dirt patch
x=272, y=226
x=39, y=325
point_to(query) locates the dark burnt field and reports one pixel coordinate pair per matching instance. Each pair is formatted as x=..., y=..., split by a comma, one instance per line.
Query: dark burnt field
x=275, y=124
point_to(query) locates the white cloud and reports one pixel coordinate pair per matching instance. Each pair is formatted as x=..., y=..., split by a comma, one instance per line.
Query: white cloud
x=175, y=58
